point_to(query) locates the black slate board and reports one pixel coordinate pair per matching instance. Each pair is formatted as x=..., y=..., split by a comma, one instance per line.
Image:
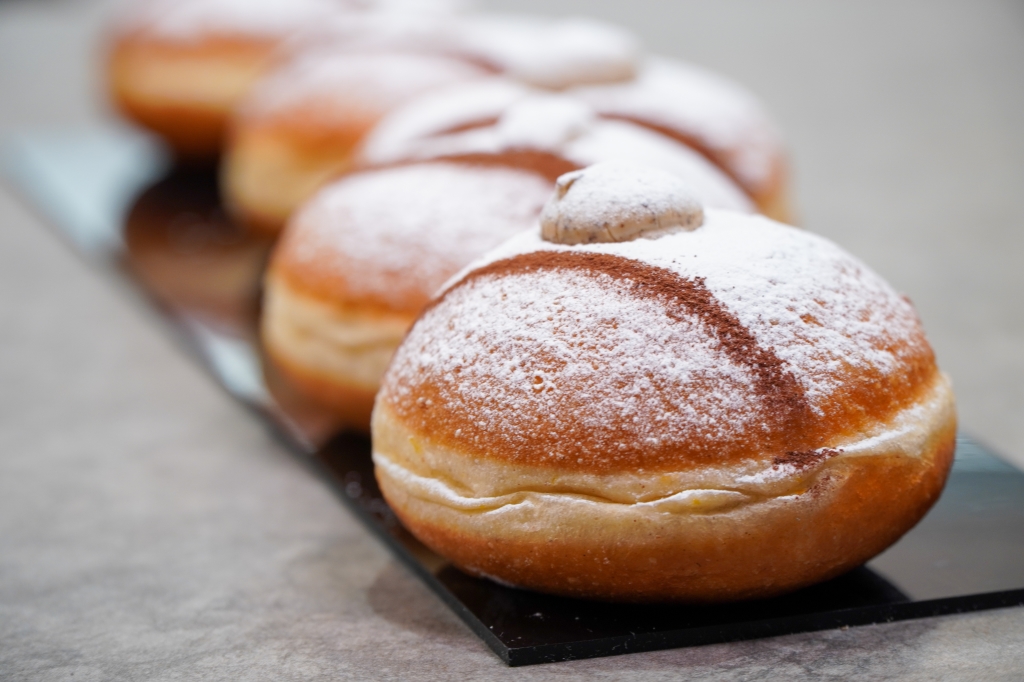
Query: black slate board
x=116, y=199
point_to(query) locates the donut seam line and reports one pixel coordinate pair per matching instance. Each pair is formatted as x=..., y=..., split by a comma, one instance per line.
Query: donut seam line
x=437, y=491
x=680, y=295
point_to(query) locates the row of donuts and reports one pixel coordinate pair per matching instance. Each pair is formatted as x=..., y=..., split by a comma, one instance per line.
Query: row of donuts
x=287, y=90
x=528, y=254
x=437, y=134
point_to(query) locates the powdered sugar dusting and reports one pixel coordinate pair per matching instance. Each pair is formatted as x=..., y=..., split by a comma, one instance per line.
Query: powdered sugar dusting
x=395, y=235
x=401, y=134
x=621, y=141
x=567, y=350
x=718, y=114
x=511, y=117
x=543, y=122
x=338, y=83
x=584, y=354
x=815, y=306
x=553, y=53
x=544, y=53
x=189, y=20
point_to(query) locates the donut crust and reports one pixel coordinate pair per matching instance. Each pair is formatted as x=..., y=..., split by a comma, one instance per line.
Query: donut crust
x=832, y=518
x=184, y=93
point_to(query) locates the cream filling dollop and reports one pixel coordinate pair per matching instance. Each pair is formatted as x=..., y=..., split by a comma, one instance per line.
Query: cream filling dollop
x=475, y=485
x=616, y=201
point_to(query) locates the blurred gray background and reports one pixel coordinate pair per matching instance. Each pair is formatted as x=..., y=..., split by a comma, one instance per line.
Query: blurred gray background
x=150, y=529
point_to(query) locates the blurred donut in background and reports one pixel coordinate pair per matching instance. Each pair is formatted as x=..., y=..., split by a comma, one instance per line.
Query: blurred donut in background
x=177, y=67
x=503, y=122
x=300, y=126
x=710, y=113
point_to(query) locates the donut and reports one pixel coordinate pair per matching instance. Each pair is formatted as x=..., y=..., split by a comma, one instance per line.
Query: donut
x=358, y=263
x=177, y=67
x=361, y=259
x=499, y=121
x=710, y=113
x=300, y=124
x=697, y=109
x=645, y=399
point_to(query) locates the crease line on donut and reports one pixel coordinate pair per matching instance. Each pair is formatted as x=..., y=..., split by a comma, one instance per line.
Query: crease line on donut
x=785, y=397
x=434, y=489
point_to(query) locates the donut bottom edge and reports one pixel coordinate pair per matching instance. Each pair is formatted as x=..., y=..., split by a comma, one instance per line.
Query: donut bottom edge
x=853, y=509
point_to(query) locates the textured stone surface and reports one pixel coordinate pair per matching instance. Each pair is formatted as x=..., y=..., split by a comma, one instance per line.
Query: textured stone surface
x=150, y=529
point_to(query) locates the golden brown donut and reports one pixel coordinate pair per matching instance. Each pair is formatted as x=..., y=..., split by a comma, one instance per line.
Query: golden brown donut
x=361, y=259
x=711, y=114
x=679, y=403
x=358, y=263
x=177, y=67
x=299, y=126
x=697, y=109
x=496, y=120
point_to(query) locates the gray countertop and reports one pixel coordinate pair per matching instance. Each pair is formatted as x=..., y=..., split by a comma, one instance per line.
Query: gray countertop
x=150, y=528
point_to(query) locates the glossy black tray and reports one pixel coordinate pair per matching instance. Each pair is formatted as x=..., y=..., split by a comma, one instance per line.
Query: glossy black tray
x=113, y=196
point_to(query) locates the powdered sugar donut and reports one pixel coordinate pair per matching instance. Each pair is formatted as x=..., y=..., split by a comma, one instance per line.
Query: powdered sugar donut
x=300, y=125
x=731, y=409
x=361, y=259
x=499, y=121
x=178, y=66
x=713, y=115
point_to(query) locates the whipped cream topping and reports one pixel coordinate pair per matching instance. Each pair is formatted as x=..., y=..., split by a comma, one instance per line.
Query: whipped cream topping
x=617, y=201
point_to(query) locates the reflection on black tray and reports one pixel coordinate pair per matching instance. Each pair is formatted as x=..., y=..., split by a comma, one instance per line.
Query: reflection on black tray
x=187, y=252
x=178, y=244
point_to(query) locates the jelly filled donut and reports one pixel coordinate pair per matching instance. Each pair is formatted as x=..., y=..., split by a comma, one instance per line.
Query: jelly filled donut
x=646, y=399
x=177, y=67
x=360, y=260
x=301, y=124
